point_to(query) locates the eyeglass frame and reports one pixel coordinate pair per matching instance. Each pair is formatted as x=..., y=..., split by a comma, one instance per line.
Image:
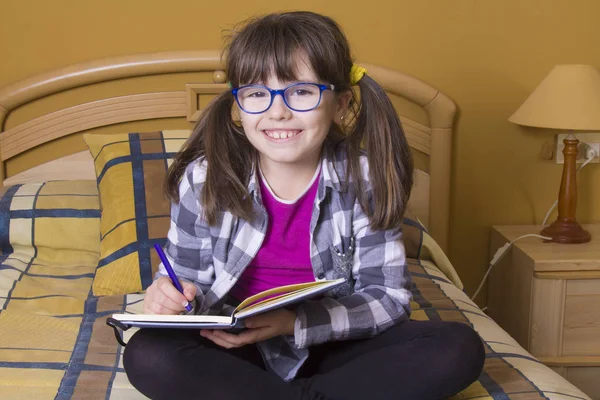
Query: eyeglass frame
x=274, y=92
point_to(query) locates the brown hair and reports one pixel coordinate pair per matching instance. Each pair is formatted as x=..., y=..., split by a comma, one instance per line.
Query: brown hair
x=267, y=46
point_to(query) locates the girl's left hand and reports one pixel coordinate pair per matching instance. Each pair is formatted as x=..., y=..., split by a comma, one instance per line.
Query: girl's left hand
x=260, y=327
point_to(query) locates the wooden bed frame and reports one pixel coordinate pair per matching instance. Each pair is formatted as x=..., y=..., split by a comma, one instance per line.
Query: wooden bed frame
x=431, y=196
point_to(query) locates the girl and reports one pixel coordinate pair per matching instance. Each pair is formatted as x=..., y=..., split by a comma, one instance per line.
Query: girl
x=282, y=194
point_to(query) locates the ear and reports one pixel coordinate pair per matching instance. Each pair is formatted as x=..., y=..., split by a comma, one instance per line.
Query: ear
x=341, y=105
x=236, y=116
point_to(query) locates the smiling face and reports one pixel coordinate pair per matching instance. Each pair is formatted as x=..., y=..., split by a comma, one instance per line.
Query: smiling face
x=291, y=138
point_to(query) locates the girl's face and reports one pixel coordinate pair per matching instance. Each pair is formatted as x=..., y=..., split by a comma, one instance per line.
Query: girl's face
x=286, y=137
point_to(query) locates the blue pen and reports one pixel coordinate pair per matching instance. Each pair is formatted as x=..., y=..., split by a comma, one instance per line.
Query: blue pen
x=170, y=271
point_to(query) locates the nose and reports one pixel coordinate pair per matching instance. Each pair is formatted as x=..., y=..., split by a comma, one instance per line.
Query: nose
x=278, y=109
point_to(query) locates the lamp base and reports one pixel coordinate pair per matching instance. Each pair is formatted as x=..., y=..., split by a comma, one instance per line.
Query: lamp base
x=566, y=231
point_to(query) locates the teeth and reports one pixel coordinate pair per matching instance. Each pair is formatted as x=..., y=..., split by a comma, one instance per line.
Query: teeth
x=281, y=134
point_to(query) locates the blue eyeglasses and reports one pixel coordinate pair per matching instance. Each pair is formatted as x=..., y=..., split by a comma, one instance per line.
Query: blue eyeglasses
x=256, y=99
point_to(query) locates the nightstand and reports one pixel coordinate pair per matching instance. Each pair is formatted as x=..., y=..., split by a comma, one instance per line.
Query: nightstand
x=547, y=297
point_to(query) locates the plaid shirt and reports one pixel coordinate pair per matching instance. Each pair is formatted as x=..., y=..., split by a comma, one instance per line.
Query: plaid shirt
x=342, y=244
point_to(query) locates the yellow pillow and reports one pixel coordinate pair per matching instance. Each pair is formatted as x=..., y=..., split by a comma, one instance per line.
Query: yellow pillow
x=130, y=171
x=56, y=222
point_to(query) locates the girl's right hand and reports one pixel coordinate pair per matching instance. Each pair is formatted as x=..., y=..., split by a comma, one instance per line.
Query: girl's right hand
x=163, y=298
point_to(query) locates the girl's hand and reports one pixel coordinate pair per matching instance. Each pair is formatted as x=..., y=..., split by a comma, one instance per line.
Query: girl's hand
x=260, y=327
x=163, y=298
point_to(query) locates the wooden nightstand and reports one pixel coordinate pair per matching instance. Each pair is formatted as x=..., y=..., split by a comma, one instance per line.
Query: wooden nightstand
x=547, y=296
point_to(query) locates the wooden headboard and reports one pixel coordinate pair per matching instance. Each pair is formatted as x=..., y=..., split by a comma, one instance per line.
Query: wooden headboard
x=431, y=196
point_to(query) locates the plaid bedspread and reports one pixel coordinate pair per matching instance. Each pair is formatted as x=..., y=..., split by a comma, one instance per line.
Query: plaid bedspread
x=54, y=343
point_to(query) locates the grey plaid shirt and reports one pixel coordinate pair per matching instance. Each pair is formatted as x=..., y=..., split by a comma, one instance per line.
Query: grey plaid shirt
x=342, y=244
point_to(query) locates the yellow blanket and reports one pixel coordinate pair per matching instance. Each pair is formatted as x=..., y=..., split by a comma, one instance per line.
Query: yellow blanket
x=55, y=343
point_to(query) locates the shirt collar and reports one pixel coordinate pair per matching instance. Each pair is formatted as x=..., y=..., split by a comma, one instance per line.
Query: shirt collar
x=333, y=169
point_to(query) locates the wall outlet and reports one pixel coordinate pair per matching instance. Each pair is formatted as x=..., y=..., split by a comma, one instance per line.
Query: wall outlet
x=591, y=138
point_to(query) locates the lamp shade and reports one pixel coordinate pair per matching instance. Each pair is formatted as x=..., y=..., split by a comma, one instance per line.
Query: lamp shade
x=568, y=98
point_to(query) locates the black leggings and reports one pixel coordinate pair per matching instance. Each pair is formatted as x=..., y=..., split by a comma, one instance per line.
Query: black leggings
x=413, y=360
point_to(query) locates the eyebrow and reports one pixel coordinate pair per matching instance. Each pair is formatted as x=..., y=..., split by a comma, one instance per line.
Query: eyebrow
x=286, y=84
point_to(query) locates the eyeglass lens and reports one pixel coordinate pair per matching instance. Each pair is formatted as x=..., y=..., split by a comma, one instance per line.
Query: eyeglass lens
x=301, y=97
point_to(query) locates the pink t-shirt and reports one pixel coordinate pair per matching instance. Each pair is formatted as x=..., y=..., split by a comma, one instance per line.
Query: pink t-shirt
x=284, y=257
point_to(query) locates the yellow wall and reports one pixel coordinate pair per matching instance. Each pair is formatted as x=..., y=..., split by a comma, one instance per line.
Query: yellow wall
x=487, y=55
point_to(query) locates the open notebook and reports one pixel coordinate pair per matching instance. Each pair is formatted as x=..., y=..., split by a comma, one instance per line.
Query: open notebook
x=259, y=303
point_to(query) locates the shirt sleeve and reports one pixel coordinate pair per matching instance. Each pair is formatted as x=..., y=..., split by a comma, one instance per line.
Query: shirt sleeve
x=189, y=245
x=381, y=295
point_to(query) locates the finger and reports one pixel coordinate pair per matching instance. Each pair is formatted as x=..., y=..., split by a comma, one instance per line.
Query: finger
x=158, y=304
x=230, y=338
x=169, y=291
x=270, y=318
x=216, y=340
x=164, y=307
x=155, y=302
x=246, y=337
x=189, y=290
x=241, y=339
x=161, y=300
x=258, y=321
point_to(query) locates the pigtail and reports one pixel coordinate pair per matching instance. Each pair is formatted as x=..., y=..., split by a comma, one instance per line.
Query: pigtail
x=378, y=128
x=228, y=155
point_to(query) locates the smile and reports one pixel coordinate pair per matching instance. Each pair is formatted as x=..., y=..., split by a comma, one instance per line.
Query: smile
x=281, y=134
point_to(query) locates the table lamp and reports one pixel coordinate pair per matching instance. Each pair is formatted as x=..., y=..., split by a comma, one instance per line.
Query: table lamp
x=567, y=99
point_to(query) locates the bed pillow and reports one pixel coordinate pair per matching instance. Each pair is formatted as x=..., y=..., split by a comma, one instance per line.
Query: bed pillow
x=56, y=223
x=135, y=214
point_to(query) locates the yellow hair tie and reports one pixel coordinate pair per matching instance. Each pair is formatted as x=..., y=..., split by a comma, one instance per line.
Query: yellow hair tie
x=356, y=74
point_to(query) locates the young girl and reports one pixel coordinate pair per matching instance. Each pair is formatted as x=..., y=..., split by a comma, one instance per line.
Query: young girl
x=273, y=188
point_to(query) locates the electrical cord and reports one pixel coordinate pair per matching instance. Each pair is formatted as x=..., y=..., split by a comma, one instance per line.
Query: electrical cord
x=499, y=253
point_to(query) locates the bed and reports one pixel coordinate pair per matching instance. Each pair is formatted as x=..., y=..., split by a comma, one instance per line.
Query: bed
x=84, y=150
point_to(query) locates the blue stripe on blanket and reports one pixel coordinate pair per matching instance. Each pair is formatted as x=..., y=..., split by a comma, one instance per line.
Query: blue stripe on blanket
x=424, y=305
x=511, y=355
x=461, y=310
x=76, y=363
x=139, y=197
x=130, y=248
x=36, y=297
x=35, y=250
x=432, y=277
x=10, y=267
x=36, y=365
x=118, y=355
x=57, y=194
x=132, y=159
x=34, y=349
x=492, y=387
x=56, y=366
x=5, y=247
x=130, y=220
x=169, y=155
x=3, y=258
x=55, y=213
x=414, y=223
x=96, y=316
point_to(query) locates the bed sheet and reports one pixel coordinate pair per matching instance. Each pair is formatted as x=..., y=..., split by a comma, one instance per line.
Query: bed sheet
x=55, y=343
